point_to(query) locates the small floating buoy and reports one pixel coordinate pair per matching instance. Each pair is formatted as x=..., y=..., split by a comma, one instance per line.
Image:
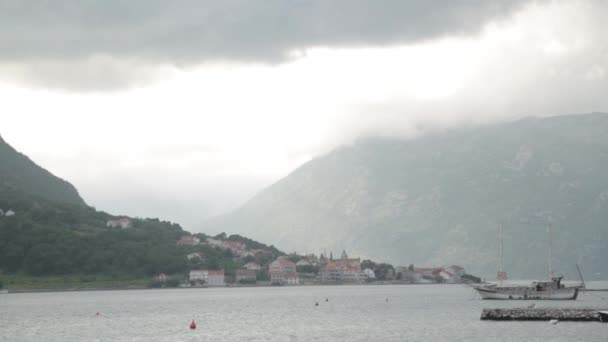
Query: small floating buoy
x=316, y=303
x=193, y=325
x=327, y=300
x=97, y=314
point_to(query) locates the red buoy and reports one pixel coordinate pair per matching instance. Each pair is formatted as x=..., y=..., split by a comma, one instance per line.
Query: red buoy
x=193, y=325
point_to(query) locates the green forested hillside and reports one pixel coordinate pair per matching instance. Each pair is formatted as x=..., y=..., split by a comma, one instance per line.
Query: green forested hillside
x=46, y=238
x=51, y=233
x=18, y=172
x=439, y=199
x=49, y=238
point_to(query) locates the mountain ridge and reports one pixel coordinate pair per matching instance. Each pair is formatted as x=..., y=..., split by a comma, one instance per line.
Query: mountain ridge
x=439, y=198
x=18, y=171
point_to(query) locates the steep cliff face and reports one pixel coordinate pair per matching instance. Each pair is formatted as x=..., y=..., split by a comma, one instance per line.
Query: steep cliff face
x=18, y=172
x=439, y=199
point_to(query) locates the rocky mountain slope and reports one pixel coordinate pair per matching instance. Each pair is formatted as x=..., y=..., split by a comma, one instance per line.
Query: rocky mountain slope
x=439, y=199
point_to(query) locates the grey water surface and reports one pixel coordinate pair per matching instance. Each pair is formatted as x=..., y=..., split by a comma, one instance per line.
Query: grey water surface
x=352, y=313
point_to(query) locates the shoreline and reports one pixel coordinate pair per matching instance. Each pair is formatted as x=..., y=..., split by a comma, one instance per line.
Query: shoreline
x=84, y=289
x=262, y=285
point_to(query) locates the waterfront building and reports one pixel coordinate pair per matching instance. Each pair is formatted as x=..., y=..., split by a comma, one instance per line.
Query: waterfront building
x=196, y=275
x=245, y=275
x=284, y=278
x=215, y=278
x=343, y=271
x=209, y=277
x=282, y=265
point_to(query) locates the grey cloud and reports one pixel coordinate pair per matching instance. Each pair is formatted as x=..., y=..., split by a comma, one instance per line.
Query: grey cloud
x=90, y=74
x=186, y=32
x=194, y=30
x=579, y=87
x=520, y=81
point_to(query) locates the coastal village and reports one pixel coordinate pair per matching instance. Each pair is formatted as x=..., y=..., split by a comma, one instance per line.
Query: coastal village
x=267, y=266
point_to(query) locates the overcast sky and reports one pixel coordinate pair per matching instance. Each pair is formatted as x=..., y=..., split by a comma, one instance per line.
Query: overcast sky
x=184, y=109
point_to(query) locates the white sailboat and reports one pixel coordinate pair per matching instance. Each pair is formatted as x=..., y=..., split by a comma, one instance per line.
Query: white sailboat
x=538, y=290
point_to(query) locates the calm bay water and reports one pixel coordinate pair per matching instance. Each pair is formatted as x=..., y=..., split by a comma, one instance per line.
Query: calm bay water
x=353, y=313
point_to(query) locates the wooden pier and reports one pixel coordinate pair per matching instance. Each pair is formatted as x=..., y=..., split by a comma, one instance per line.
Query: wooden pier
x=542, y=314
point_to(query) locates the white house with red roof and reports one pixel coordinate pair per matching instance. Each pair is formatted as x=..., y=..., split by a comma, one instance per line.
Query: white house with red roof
x=122, y=223
x=188, y=240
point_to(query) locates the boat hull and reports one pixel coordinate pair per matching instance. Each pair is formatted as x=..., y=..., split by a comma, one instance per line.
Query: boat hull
x=527, y=293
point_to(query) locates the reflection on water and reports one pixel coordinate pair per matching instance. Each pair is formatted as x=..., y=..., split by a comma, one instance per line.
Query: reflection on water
x=353, y=313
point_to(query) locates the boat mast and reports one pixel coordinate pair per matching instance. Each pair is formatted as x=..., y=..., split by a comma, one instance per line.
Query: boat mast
x=550, y=238
x=500, y=271
x=580, y=275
